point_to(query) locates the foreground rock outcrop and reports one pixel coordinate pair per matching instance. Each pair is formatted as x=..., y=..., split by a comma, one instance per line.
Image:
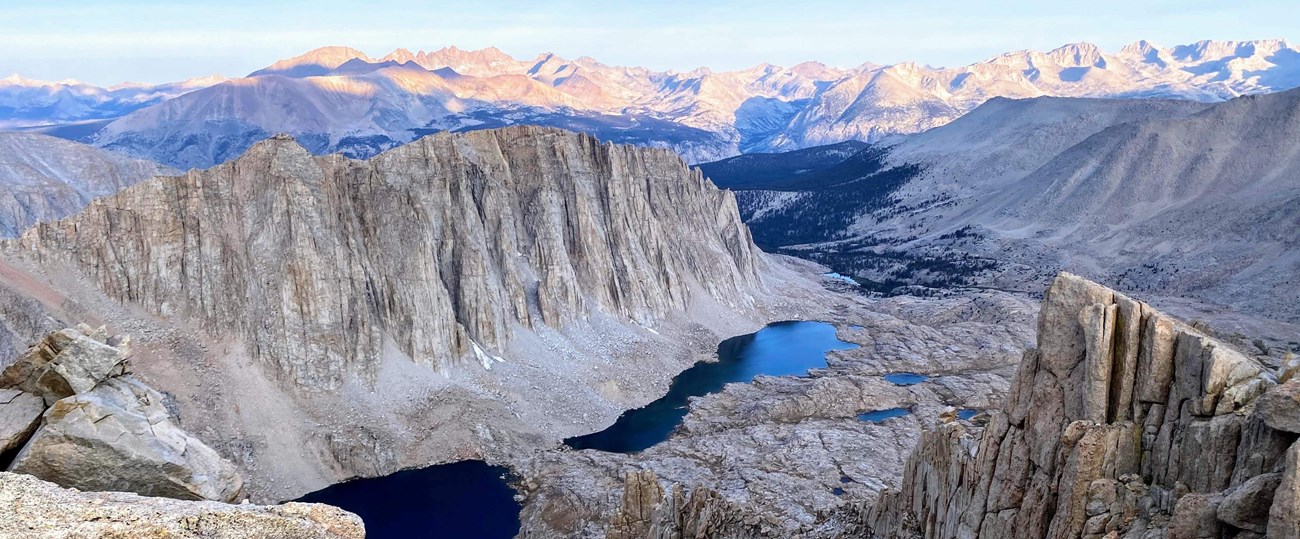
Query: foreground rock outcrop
x=1124, y=422
x=103, y=429
x=35, y=509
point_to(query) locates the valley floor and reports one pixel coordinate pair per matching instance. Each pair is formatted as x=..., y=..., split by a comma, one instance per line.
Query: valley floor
x=786, y=456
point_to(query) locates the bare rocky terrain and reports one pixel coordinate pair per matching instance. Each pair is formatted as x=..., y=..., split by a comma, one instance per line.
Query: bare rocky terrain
x=479, y=295
x=485, y=295
x=783, y=455
x=36, y=509
x=1122, y=422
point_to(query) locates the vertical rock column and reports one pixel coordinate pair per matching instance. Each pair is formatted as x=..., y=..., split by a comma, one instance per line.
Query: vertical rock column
x=1122, y=420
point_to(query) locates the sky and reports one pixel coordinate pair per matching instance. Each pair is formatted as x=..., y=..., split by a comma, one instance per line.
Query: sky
x=155, y=41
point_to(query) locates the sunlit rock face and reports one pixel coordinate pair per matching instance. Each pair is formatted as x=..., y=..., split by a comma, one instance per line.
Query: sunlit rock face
x=1124, y=421
x=336, y=99
x=441, y=247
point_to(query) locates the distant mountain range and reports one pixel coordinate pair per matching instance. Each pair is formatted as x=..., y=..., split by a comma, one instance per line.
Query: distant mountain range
x=43, y=178
x=1184, y=198
x=339, y=99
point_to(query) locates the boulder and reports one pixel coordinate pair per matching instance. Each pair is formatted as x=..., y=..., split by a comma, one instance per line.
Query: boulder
x=1280, y=407
x=65, y=363
x=1247, y=506
x=19, y=414
x=1195, y=517
x=120, y=437
x=36, y=509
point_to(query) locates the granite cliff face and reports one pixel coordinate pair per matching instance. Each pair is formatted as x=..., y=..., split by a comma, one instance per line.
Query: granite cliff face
x=442, y=247
x=476, y=295
x=1124, y=422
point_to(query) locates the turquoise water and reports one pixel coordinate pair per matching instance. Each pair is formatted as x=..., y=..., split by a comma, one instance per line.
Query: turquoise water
x=783, y=348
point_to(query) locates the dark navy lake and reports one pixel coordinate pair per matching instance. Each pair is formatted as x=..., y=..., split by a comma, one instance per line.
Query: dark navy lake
x=783, y=348
x=461, y=499
x=473, y=499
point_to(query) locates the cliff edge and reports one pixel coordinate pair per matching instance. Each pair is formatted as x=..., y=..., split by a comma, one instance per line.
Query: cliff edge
x=1124, y=422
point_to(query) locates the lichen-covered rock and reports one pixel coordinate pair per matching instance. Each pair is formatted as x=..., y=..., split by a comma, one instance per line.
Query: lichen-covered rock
x=19, y=414
x=1195, y=517
x=120, y=437
x=1124, y=423
x=440, y=246
x=35, y=509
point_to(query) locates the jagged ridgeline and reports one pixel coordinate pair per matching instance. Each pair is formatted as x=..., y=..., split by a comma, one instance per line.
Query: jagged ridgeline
x=1124, y=422
x=442, y=247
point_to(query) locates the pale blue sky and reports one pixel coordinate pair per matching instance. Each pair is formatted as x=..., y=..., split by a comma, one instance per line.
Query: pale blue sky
x=155, y=41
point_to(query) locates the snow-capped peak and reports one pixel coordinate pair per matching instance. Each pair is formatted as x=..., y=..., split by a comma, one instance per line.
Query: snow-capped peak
x=1080, y=54
x=18, y=80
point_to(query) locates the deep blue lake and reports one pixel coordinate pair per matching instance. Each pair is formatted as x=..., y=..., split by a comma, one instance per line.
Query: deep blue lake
x=782, y=348
x=878, y=416
x=474, y=500
x=461, y=499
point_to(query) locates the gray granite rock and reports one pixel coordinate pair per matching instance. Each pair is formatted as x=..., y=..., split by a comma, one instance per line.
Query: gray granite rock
x=120, y=437
x=35, y=509
x=1280, y=408
x=19, y=414
x=1138, y=426
x=64, y=363
x=1247, y=506
x=439, y=247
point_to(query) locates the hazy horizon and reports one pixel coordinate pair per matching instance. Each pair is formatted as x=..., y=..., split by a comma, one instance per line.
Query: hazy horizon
x=152, y=42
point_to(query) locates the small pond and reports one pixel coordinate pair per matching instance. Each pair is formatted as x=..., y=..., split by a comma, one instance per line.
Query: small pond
x=906, y=378
x=783, y=348
x=879, y=416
